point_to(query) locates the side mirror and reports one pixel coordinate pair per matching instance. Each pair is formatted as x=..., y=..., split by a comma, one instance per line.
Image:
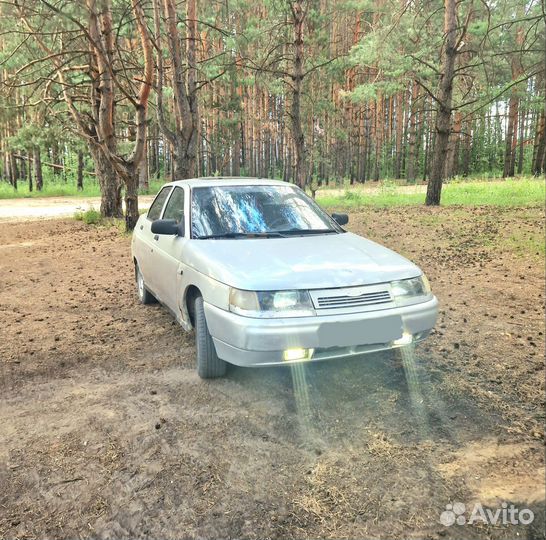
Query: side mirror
x=168, y=226
x=341, y=219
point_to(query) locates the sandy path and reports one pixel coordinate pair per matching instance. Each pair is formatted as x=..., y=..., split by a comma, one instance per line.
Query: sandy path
x=12, y=210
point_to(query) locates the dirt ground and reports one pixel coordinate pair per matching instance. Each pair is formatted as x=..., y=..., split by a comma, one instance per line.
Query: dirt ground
x=107, y=432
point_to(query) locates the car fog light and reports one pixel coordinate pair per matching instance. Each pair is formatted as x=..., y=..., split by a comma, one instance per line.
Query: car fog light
x=292, y=355
x=406, y=339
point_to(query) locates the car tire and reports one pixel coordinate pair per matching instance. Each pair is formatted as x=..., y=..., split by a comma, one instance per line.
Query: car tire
x=209, y=366
x=144, y=295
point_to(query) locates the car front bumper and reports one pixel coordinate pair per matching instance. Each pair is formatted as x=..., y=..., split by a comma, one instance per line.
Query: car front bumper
x=246, y=341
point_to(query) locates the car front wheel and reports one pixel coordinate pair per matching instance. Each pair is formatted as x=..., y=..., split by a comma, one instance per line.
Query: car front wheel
x=209, y=365
x=144, y=295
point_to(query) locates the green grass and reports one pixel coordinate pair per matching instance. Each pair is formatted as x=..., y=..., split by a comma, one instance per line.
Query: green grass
x=90, y=217
x=49, y=190
x=519, y=192
x=93, y=217
x=61, y=189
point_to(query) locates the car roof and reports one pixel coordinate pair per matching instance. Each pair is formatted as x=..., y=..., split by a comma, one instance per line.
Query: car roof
x=228, y=181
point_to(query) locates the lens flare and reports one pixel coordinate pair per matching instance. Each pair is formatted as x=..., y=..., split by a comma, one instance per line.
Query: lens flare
x=414, y=388
x=301, y=397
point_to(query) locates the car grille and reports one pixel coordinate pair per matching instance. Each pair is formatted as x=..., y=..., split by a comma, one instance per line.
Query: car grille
x=349, y=301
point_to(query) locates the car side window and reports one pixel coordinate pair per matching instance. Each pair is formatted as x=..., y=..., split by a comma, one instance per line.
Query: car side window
x=175, y=206
x=155, y=210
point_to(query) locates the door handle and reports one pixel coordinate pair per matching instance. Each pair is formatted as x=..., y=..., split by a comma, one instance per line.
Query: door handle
x=141, y=227
x=156, y=237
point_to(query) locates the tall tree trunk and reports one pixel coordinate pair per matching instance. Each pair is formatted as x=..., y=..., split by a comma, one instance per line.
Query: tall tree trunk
x=130, y=181
x=234, y=148
x=99, y=138
x=55, y=158
x=184, y=137
x=143, y=174
x=521, y=140
x=467, y=147
x=110, y=186
x=236, y=157
x=444, y=100
x=29, y=173
x=539, y=144
x=192, y=131
x=103, y=32
x=412, y=142
x=538, y=165
x=80, y=171
x=428, y=134
x=103, y=144
x=129, y=168
x=23, y=169
x=38, y=168
x=379, y=129
x=296, y=84
x=399, y=134
x=14, y=171
x=452, y=158
x=511, y=141
x=153, y=150
x=511, y=138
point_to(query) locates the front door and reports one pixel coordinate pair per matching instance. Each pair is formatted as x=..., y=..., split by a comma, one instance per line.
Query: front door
x=144, y=251
x=168, y=253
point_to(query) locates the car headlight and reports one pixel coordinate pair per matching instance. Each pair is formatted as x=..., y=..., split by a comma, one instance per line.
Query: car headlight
x=411, y=291
x=270, y=303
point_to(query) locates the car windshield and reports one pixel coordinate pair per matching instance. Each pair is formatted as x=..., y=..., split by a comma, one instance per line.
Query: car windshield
x=261, y=211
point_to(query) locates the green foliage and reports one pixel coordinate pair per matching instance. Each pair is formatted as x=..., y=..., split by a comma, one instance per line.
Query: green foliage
x=89, y=217
x=363, y=93
x=351, y=196
x=406, y=45
x=388, y=187
x=356, y=53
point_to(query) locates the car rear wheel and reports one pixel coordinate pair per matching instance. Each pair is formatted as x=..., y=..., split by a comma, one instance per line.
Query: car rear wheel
x=209, y=365
x=144, y=295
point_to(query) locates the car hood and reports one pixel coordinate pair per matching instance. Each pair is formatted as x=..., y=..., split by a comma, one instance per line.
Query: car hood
x=302, y=262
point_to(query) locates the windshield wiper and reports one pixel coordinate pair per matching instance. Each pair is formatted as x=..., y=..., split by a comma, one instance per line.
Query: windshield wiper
x=271, y=234
x=308, y=231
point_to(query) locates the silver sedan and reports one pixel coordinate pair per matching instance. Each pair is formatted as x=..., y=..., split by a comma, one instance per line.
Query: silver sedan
x=266, y=277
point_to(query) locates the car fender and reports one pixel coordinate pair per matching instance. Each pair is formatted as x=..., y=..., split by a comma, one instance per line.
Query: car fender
x=214, y=292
